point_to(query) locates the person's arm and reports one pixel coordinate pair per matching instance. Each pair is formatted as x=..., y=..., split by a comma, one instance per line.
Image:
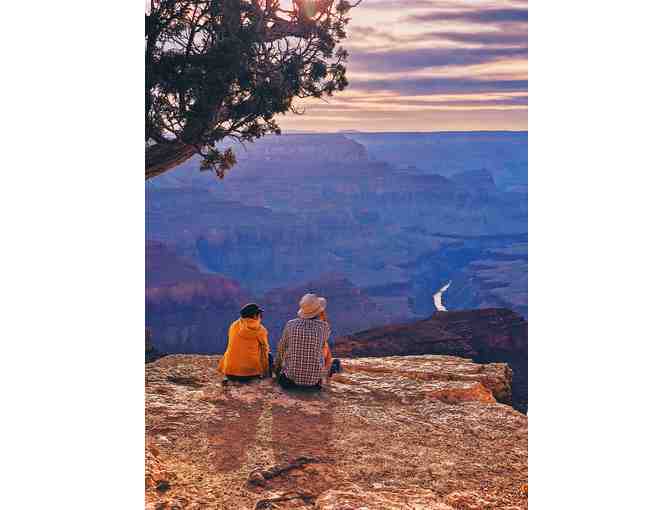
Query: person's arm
x=222, y=362
x=326, y=352
x=327, y=357
x=265, y=349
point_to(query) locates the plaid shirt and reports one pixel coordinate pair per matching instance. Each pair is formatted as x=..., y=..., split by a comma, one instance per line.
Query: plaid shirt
x=300, y=354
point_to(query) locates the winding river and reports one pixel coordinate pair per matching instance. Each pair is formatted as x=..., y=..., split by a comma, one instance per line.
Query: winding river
x=438, y=297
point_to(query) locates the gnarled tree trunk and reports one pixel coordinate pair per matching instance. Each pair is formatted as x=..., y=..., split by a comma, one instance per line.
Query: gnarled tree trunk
x=161, y=157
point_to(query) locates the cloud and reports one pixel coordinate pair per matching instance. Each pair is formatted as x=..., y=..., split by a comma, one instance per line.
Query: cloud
x=430, y=65
x=399, y=60
x=397, y=4
x=370, y=36
x=364, y=34
x=473, y=16
x=404, y=103
x=484, y=38
x=438, y=85
x=420, y=120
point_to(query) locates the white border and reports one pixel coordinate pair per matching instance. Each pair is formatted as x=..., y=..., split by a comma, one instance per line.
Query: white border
x=72, y=203
x=599, y=255
x=72, y=276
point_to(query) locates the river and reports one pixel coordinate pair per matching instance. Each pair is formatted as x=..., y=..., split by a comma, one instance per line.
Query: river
x=438, y=297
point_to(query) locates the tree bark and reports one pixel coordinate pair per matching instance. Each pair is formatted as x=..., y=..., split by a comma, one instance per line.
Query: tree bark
x=162, y=157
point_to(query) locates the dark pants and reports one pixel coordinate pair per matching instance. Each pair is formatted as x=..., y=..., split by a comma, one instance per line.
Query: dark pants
x=287, y=384
x=248, y=378
x=242, y=378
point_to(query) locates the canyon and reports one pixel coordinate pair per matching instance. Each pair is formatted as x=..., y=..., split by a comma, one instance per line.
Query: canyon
x=336, y=216
x=419, y=243
x=189, y=311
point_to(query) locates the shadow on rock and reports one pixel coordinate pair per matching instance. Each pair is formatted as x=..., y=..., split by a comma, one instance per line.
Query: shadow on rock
x=303, y=424
x=231, y=436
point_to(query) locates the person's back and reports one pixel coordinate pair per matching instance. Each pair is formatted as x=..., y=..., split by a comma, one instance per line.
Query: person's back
x=302, y=354
x=247, y=352
x=301, y=351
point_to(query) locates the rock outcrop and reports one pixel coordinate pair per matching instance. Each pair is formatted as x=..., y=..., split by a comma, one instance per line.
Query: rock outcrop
x=487, y=335
x=187, y=310
x=387, y=433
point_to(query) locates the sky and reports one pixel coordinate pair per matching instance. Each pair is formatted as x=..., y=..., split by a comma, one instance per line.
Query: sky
x=428, y=65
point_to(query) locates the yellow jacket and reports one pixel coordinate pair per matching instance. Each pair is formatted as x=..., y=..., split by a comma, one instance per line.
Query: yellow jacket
x=247, y=352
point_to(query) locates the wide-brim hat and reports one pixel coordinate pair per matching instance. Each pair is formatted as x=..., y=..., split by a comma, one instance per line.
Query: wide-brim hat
x=311, y=305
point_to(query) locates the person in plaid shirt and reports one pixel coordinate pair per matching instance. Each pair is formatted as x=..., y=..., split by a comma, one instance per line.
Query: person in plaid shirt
x=303, y=350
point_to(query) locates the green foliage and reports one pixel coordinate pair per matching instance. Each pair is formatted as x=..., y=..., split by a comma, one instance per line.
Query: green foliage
x=220, y=69
x=220, y=162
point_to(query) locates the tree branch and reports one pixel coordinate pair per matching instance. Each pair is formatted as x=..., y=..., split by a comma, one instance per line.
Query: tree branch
x=161, y=157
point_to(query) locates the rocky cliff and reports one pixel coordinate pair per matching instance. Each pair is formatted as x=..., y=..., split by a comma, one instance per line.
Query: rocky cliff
x=387, y=433
x=189, y=311
x=485, y=335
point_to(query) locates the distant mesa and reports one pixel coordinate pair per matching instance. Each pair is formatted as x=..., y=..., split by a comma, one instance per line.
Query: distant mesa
x=318, y=146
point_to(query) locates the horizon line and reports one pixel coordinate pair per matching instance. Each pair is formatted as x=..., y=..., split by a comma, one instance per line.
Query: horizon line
x=358, y=132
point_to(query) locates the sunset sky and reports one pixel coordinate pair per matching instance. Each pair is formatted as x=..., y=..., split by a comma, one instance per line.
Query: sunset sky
x=429, y=65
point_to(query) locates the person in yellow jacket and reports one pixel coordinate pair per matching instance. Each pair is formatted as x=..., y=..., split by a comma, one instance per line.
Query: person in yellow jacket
x=247, y=354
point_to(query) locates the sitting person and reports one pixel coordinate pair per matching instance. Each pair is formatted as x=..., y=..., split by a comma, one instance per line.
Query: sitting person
x=247, y=355
x=303, y=351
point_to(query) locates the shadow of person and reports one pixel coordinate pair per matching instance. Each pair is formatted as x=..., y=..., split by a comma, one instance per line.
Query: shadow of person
x=231, y=434
x=303, y=423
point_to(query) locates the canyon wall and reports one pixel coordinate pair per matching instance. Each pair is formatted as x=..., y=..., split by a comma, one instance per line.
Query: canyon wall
x=304, y=213
x=189, y=311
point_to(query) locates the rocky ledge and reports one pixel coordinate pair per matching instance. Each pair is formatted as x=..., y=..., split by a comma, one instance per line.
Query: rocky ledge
x=485, y=335
x=388, y=433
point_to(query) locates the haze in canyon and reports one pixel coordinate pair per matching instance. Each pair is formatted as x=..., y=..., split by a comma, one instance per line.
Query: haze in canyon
x=377, y=222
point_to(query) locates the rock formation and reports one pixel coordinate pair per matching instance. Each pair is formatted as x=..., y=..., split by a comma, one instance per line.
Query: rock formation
x=485, y=335
x=387, y=433
x=187, y=310
x=298, y=206
x=504, y=154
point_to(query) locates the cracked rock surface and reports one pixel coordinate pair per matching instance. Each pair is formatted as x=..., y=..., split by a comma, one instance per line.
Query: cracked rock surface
x=413, y=432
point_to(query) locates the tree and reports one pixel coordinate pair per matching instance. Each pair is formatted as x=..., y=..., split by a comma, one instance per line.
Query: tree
x=219, y=69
